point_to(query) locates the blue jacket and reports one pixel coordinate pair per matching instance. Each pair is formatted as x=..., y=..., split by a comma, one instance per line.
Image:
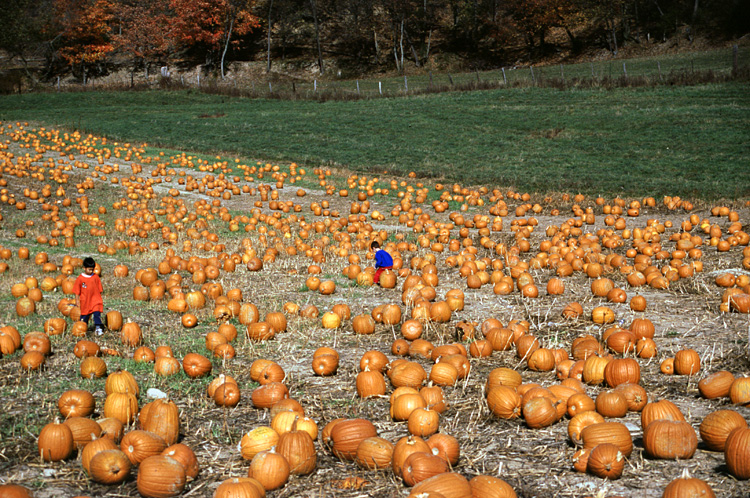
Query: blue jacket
x=383, y=259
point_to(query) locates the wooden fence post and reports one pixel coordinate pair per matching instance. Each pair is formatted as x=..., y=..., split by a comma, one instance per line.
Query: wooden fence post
x=505, y=80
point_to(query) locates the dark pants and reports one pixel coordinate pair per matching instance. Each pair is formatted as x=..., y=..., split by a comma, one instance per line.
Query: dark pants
x=97, y=318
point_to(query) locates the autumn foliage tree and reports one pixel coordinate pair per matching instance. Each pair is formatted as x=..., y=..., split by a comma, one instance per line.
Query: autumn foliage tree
x=85, y=33
x=210, y=25
x=144, y=31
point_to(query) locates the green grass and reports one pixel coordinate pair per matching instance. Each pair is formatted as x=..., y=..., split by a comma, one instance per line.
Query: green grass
x=690, y=141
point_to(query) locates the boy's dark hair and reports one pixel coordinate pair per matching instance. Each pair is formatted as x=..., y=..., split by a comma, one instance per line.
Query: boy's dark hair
x=89, y=263
x=374, y=245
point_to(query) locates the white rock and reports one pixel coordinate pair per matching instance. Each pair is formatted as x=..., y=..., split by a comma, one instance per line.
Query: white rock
x=155, y=393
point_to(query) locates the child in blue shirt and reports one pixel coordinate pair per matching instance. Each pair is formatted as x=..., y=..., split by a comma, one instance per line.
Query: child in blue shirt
x=383, y=260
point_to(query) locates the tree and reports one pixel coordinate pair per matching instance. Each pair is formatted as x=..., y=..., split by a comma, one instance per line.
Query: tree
x=144, y=31
x=23, y=33
x=210, y=24
x=535, y=17
x=85, y=33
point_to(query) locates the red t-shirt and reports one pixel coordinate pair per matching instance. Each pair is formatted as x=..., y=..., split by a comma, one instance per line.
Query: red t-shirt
x=89, y=289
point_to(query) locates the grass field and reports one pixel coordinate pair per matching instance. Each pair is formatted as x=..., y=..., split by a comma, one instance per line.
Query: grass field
x=689, y=141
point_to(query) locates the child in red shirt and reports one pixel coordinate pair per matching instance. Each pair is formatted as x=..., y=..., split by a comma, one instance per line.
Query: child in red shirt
x=88, y=291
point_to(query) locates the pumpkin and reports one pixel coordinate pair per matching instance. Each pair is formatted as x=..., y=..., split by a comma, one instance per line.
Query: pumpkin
x=503, y=376
x=716, y=385
x=55, y=442
x=196, y=365
x=374, y=453
x=240, y=487
x=84, y=430
x=144, y=354
x=635, y=395
x=160, y=477
x=420, y=466
x=423, y=422
x=93, y=367
x=687, y=362
x=579, y=403
x=94, y=447
x=739, y=391
x=716, y=427
x=325, y=364
x=76, y=403
x=139, y=445
x=611, y=404
x=112, y=429
x=373, y=360
x=580, y=421
x=737, y=452
x=622, y=371
x=447, y=484
x=346, y=436
x=55, y=326
x=85, y=348
x=660, y=410
x=608, y=432
x=130, y=334
x=433, y=396
x=606, y=461
x=539, y=412
x=110, y=466
x=267, y=395
x=259, y=439
x=227, y=394
x=185, y=456
x=166, y=366
x=688, y=487
x=602, y=315
x=299, y=450
x=363, y=324
x=162, y=418
x=669, y=439
x=504, y=402
x=370, y=384
x=121, y=381
x=114, y=320
x=408, y=374
x=121, y=406
x=483, y=486
x=270, y=469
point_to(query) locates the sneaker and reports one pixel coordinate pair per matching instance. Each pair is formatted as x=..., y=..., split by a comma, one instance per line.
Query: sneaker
x=99, y=331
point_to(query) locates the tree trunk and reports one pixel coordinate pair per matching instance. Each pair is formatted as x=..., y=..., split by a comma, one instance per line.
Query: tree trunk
x=401, y=44
x=226, y=45
x=427, y=50
x=268, y=66
x=413, y=50
x=377, y=49
x=317, y=35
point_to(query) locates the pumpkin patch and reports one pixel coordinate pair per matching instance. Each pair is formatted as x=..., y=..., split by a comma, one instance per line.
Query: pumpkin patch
x=248, y=349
